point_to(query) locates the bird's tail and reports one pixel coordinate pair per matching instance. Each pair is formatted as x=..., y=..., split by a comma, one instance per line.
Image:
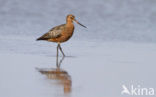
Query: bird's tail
x=43, y=37
x=40, y=38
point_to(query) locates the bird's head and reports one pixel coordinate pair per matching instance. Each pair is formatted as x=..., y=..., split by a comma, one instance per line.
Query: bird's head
x=71, y=18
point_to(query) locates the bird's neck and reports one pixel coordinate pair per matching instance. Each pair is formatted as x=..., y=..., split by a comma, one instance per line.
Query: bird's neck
x=69, y=24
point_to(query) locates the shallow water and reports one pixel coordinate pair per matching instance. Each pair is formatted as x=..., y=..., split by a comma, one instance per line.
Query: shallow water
x=90, y=69
x=118, y=48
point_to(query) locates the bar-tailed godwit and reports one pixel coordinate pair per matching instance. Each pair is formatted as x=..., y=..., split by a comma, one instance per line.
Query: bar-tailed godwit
x=61, y=33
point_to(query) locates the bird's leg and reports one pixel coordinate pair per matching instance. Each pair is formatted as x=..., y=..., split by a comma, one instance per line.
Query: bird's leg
x=57, y=55
x=61, y=50
x=61, y=61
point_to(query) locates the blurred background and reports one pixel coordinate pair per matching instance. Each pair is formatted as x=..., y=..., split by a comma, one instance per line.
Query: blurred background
x=123, y=20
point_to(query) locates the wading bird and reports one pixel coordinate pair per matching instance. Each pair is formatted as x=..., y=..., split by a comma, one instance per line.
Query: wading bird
x=61, y=33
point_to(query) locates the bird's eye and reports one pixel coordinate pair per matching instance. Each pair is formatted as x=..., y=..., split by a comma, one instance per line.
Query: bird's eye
x=71, y=17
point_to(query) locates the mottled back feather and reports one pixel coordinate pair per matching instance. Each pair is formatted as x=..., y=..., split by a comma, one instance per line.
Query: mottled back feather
x=53, y=33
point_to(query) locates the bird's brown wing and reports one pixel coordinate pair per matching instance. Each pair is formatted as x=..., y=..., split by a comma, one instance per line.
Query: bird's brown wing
x=53, y=33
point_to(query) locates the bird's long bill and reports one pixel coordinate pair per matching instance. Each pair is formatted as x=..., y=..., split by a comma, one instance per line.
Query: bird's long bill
x=80, y=23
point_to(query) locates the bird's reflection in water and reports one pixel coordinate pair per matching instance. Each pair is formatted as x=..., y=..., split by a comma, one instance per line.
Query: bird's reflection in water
x=61, y=76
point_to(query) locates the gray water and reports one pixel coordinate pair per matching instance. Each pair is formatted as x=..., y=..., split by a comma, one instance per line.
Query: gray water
x=117, y=48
